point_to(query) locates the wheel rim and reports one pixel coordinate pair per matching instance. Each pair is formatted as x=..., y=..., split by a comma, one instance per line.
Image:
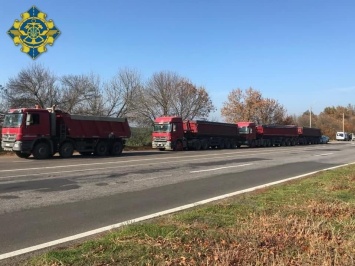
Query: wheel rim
x=101, y=149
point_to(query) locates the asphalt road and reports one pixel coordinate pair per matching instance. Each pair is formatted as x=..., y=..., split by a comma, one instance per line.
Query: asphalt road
x=45, y=200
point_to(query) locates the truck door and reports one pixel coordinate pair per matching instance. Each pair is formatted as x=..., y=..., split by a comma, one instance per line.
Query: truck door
x=177, y=131
x=37, y=125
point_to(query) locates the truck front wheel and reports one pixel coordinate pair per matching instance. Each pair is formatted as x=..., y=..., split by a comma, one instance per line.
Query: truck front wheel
x=66, y=150
x=178, y=146
x=22, y=155
x=41, y=151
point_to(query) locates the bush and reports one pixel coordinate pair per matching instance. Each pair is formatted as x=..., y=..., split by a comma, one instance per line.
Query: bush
x=140, y=137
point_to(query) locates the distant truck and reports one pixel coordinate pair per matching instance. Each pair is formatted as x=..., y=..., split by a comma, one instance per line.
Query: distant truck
x=342, y=136
x=172, y=133
x=267, y=135
x=44, y=132
x=309, y=135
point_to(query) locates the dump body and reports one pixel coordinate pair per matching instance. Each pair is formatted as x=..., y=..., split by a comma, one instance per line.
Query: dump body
x=309, y=135
x=172, y=133
x=79, y=126
x=44, y=132
x=309, y=131
x=277, y=130
x=212, y=129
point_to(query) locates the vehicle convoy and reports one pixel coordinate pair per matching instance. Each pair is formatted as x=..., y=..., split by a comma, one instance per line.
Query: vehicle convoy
x=44, y=132
x=172, y=133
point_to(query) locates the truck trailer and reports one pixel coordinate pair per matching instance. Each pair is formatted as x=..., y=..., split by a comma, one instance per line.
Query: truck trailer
x=267, y=135
x=309, y=135
x=172, y=133
x=44, y=132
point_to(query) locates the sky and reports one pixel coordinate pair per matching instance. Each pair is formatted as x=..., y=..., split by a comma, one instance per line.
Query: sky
x=298, y=52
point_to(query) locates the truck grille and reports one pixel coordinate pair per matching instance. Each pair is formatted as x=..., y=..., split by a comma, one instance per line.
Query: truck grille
x=160, y=139
x=9, y=137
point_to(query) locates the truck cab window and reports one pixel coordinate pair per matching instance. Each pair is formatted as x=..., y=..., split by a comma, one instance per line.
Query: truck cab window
x=32, y=119
x=35, y=119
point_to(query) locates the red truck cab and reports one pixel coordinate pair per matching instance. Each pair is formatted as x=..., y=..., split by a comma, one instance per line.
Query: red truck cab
x=168, y=133
x=21, y=129
x=247, y=133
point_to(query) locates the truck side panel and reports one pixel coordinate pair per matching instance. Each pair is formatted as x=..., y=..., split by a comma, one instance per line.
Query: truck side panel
x=95, y=127
x=309, y=131
x=213, y=129
x=277, y=130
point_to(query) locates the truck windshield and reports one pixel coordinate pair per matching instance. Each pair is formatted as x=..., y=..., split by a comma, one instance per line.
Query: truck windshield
x=162, y=128
x=12, y=120
x=243, y=130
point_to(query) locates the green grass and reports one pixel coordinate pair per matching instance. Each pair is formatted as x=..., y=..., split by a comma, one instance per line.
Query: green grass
x=304, y=222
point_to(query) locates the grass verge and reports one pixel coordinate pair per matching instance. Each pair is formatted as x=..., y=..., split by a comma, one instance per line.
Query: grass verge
x=304, y=222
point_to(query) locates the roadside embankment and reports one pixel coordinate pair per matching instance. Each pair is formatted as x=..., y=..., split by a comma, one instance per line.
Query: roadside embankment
x=304, y=222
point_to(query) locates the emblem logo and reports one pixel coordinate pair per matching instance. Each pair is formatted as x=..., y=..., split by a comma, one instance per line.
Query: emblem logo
x=33, y=32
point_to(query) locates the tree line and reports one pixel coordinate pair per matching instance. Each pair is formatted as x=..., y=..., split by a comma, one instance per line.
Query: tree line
x=165, y=93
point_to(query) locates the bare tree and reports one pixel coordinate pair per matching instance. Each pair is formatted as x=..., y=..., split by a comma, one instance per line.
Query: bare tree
x=82, y=94
x=191, y=101
x=168, y=94
x=3, y=103
x=34, y=85
x=121, y=93
x=251, y=106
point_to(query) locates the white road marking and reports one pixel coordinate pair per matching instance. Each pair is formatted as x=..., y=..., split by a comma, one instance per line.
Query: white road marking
x=324, y=154
x=154, y=215
x=220, y=168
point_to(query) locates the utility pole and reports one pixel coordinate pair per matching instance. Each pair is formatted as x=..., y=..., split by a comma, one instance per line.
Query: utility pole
x=343, y=123
x=310, y=116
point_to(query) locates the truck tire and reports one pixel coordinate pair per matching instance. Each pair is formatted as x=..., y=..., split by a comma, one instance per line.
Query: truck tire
x=198, y=145
x=22, y=154
x=41, y=151
x=66, y=150
x=116, y=149
x=204, y=145
x=101, y=148
x=178, y=146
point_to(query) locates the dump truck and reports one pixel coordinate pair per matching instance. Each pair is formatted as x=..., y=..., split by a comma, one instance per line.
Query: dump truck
x=45, y=132
x=254, y=135
x=174, y=133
